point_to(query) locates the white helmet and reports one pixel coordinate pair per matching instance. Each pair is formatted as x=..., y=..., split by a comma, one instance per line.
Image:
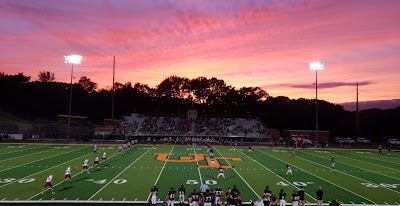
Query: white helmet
x=69, y=168
x=51, y=176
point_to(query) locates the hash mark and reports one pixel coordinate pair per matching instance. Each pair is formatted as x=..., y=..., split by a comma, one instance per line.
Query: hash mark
x=51, y=199
x=65, y=198
x=112, y=199
x=3, y=199
x=351, y=202
x=124, y=199
x=77, y=199
x=16, y=199
x=41, y=199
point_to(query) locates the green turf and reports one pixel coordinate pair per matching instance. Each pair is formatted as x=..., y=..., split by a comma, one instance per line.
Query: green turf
x=360, y=176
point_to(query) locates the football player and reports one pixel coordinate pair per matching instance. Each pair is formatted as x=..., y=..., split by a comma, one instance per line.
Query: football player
x=250, y=151
x=85, y=166
x=288, y=170
x=195, y=198
x=267, y=196
x=104, y=157
x=120, y=149
x=95, y=149
x=171, y=197
x=182, y=195
x=218, y=196
x=49, y=182
x=295, y=198
x=221, y=172
x=96, y=161
x=333, y=163
x=67, y=174
x=212, y=160
x=153, y=193
x=282, y=198
x=208, y=198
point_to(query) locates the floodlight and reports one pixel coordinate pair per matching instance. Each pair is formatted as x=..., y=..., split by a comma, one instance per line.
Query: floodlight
x=73, y=59
x=316, y=66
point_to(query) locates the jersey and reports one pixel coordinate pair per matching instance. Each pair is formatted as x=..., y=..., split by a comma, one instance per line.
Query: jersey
x=267, y=195
x=49, y=179
x=67, y=172
x=195, y=197
x=218, y=192
x=85, y=163
x=208, y=197
x=182, y=191
x=220, y=170
x=104, y=155
x=96, y=159
x=171, y=195
x=154, y=192
x=282, y=195
x=295, y=197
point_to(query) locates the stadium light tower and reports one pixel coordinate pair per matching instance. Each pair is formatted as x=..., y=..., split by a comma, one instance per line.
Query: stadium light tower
x=316, y=66
x=71, y=59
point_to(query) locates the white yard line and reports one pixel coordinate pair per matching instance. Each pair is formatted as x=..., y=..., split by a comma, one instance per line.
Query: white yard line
x=159, y=175
x=321, y=178
x=40, y=159
x=23, y=150
x=276, y=174
x=346, y=174
x=197, y=163
x=119, y=174
x=27, y=155
x=356, y=166
x=45, y=170
x=72, y=176
x=239, y=175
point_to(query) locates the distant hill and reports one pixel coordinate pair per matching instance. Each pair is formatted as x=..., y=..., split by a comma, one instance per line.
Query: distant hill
x=380, y=104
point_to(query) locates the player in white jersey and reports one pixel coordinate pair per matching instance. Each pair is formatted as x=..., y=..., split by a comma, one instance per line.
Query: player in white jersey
x=95, y=149
x=218, y=196
x=49, y=182
x=67, y=174
x=120, y=149
x=96, y=161
x=288, y=170
x=333, y=163
x=104, y=158
x=85, y=166
x=128, y=144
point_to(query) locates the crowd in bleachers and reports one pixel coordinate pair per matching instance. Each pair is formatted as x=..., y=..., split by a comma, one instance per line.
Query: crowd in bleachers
x=200, y=126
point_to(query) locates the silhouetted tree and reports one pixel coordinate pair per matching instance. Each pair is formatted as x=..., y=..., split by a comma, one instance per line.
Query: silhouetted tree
x=87, y=84
x=46, y=76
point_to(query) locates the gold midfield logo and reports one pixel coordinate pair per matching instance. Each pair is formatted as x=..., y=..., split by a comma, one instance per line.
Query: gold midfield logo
x=197, y=158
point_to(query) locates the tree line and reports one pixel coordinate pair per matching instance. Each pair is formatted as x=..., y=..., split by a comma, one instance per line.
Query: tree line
x=46, y=98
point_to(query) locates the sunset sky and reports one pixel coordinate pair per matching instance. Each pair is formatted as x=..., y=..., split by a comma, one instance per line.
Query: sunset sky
x=246, y=43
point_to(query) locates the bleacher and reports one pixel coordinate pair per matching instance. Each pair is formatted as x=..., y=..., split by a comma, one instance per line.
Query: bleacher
x=149, y=125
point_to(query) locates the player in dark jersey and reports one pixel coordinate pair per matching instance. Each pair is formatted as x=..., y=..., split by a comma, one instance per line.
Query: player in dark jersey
x=250, y=151
x=208, y=198
x=171, y=197
x=221, y=172
x=228, y=196
x=195, y=198
x=267, y=196
x=282, y=198
x=182, y=195
x=153, y=193
x=295, y=198
x=301, y=196
x=235, y=194
x=218, y=196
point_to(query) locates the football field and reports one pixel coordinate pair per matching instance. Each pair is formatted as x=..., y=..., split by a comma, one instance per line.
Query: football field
x=360, y=176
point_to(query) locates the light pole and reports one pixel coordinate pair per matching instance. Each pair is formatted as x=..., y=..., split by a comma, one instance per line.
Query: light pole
x=71, y=59
x=316, y=66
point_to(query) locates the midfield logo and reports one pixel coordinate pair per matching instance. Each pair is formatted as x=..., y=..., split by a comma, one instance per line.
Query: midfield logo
x=197, y=158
